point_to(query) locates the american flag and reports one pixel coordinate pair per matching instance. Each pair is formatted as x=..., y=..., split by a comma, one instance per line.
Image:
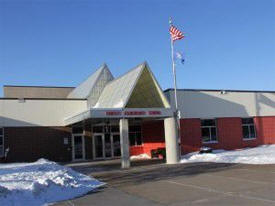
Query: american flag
x=175, y=33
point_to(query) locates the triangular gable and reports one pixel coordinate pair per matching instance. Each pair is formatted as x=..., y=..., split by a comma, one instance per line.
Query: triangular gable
x=147, y=92
x=117, y=92
x=136, y=89
x=87, y=87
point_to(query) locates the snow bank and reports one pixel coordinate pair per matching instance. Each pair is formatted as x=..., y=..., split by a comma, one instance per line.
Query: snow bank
x=140, y=157
x=41, y=182
x=264, y=154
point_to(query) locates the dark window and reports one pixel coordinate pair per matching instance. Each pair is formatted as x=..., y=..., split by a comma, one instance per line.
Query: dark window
x=135, y=128
x=135, y=137
x=98, y=129
x=1, y=131
x=248, y=128
x=132, y=138
x=208, y=130
x=208, y=122
x=114, y=128
x=77, y=130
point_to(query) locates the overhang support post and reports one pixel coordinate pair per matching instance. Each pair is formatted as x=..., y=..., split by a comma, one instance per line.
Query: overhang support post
x=124, y=143
x=171, y=140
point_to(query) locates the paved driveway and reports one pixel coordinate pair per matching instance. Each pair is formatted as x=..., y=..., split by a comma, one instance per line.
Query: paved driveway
x=182, y=184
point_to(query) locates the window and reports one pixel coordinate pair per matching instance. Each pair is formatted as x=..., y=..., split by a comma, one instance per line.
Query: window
x=97, y=129
x=77, y=130
x=208, y=130
x=135, y=135
x=248, y=128
x=114, y=128
x=1, y=142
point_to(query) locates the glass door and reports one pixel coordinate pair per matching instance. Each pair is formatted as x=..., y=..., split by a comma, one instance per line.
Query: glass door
x=78, y=147
x=116, y=145
x=108, y=145
x=98, y=146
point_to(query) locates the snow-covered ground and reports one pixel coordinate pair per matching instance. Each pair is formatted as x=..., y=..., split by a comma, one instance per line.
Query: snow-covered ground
x=140, y=157
x=264, y=154
x=41, y=182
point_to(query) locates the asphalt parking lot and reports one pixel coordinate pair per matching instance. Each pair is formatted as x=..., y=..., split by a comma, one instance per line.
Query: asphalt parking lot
x=155, y=184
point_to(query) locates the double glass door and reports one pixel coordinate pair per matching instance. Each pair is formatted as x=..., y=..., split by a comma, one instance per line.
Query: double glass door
x=106, y=145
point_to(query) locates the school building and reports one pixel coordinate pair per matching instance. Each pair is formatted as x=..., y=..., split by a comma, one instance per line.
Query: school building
x=106, y=117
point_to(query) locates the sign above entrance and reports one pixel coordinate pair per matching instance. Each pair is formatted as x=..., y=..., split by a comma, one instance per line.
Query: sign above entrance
x=120, y=113
x=133, y=113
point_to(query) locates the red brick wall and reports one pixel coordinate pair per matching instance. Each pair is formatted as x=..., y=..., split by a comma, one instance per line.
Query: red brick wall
x=229, y=134
x=190, y=135
x=153, y=137
x=229, y=131
x=265, y=128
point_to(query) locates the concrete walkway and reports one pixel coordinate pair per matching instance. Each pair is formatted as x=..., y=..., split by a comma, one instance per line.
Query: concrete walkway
x=182, y=184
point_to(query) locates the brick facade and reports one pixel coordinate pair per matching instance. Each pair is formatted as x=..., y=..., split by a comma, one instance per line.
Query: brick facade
x=265, y=127
x=152, y=136
x=229, y=134
x=190, y=135
x=32, y=143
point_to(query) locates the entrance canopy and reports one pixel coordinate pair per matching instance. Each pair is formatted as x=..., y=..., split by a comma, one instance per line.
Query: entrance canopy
x=121, y=114
x=135, y=94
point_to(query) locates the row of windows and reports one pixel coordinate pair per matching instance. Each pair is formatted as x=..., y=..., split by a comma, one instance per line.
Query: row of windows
x=135, y=137
x=209, y=130
x=1, y=142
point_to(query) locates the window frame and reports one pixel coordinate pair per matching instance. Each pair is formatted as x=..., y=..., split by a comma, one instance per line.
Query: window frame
x=135, y=132
x=248, y=125
x=3, y=143
x=210, y=133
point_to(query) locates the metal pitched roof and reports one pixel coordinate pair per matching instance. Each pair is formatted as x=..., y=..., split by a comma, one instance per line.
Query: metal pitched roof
x=85, y=88
x=117, y=92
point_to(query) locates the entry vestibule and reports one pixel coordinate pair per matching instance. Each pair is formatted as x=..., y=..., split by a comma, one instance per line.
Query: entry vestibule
x=104, y=137
x=106, y=145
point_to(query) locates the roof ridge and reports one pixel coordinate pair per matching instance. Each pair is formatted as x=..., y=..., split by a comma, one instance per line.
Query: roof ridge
x=37, y=86
x=91, y=74
x=136, y=67
x=218, y=90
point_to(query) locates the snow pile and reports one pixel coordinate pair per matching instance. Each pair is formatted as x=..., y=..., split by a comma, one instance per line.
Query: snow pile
x=140, y=157
x=264, y=154
x=41, y=182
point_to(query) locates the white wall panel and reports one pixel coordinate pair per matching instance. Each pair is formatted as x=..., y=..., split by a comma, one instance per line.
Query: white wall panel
x=211, y=104
x=38, y=112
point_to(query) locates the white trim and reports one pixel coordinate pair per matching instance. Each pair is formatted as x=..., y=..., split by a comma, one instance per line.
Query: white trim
x=248, y=139
x=210, y=142
x=210, y=132
x=249, y=132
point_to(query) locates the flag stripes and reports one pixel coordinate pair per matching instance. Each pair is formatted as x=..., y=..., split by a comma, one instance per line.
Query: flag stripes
x=175, y=33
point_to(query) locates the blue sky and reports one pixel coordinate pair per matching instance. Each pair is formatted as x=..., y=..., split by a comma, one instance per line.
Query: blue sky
x=229, y=44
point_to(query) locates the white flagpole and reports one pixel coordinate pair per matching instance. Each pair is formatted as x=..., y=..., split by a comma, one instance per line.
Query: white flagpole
x=174, y=71
x=175, y=91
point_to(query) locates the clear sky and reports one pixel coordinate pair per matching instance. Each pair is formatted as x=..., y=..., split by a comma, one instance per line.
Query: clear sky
x=229, y=44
